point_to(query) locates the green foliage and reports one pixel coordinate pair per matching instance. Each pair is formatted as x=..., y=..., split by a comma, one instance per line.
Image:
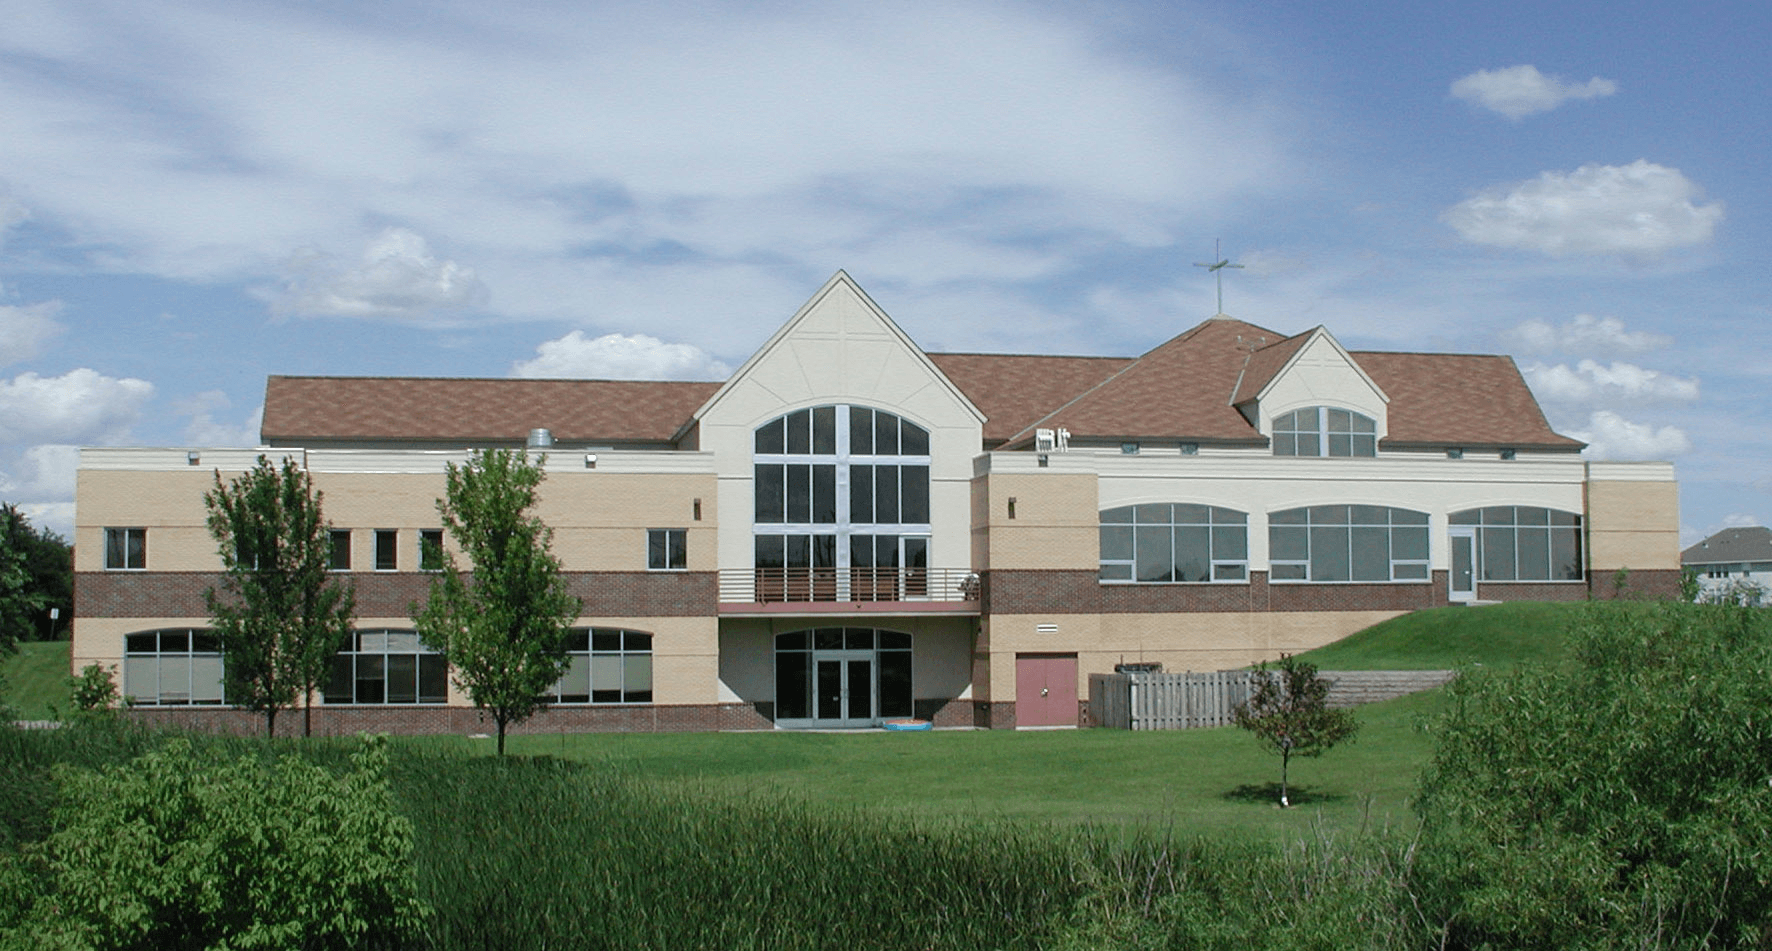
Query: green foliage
x=21, y=596
x=503, y=628
x=93, y=692
x=36, y=679
x=280, y=616
x=1690, y=588
x=182, y=848
x=1622, y=800
x=1288, y=711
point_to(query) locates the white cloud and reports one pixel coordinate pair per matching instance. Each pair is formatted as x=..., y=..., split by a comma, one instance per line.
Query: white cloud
x=203, y=428
x=1585, y=334
x=24, y=330
x=985, y=141
x=1520, y=91
x=1590, y=382
x=1740, y=520
x=77, y=407
x=45, y=472
x=619, y=357
x=1612, y=437
x=11, y=213
x=1636, y=209
x=398, y=277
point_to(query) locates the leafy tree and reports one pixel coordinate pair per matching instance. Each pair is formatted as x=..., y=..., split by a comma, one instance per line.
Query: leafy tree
x=1288, y=712
x=20, y=597
x=502, y=628
x=182, y=848
x=94, y=692
x=1621, y=800
x=281, y=616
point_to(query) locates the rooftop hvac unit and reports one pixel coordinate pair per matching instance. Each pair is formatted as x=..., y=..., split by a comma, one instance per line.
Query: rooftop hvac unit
x=1064, y=439
x=1044, y=440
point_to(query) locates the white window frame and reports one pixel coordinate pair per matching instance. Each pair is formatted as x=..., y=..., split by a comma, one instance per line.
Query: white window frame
x=135, y=666
x=141, y=537
x=1323, y=434
x=1422, y=565
x=1222, y=570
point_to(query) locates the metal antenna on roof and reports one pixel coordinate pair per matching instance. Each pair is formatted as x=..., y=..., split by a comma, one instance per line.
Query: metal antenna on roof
x=1216, y=269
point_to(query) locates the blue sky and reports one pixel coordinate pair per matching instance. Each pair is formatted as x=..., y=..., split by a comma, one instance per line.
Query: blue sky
x=196, y=195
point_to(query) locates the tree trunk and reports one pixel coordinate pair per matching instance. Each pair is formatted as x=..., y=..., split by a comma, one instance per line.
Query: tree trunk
x=501, y=734
x=271, y=722
x=1285, y=761
x=307, y=714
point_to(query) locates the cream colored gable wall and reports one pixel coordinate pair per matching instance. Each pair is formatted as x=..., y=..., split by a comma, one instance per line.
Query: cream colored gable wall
x=1320, y=375
x=841, y=348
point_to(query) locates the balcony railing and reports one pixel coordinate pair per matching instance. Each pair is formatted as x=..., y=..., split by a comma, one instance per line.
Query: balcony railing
x=802, y=585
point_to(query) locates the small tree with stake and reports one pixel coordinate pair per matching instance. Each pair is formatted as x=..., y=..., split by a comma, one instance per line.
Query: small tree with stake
x=1289, y=714
x=503, y=627
x=280, y=616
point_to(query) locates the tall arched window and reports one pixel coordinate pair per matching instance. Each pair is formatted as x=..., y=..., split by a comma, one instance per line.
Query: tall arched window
x=1347, y=543
x=1325, y=431
x=1525, y=543
x=842, y=505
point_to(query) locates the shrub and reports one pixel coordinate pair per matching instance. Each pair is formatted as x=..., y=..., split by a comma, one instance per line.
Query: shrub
x=182, y=848
x=1625, y=799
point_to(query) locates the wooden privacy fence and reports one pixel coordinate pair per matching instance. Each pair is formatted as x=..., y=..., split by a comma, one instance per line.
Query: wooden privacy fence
x=1158, y=701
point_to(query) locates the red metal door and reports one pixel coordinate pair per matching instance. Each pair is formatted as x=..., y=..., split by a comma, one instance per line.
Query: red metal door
x=1045, y=690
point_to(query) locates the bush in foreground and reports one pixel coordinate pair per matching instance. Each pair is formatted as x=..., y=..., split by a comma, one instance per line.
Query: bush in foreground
x=185, y=848
x=1625, y=799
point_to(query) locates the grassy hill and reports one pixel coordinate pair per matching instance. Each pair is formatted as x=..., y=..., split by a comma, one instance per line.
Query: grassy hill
x=1494, y=635
x=36, y=677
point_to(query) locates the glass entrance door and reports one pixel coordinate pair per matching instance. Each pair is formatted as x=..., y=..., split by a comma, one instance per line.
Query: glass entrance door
x=840, y=677
x=845, y=689
x=1461, y=581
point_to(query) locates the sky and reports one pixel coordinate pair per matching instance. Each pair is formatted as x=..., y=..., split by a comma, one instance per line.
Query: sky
x=196, y=195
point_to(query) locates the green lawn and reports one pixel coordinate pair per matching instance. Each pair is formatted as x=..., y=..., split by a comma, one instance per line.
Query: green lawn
x=1443, y=638
x=36, y=678
x=1190, y=779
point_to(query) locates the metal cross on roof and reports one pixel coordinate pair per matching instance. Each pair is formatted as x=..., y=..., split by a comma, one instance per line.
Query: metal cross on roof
x=1217, y=271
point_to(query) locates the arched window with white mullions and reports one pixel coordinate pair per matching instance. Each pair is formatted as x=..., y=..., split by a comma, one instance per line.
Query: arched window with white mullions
x=842, y=506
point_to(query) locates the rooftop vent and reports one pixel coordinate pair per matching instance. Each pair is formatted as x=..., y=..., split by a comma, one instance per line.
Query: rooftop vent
x=541, y=439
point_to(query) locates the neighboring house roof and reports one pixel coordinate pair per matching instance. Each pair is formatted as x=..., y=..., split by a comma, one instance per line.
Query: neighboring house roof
x=425, y=409
x=1456, y=399
x=1731, y=545
x=1014, y=390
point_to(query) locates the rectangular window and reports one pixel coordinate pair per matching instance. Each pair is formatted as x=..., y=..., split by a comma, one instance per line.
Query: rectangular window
x=665, y=549
x=126, y=549
x=430, y=549
x=340, y=557
x=387, y=549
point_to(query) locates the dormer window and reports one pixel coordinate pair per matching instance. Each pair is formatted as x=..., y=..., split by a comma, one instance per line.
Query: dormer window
x=1325, y=431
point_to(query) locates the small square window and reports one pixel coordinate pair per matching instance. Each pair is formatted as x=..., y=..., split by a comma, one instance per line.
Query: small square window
x=126, y=549
x=1507, y=455
x=340, y=557
x=665, y=549
x=1129, y=449
x=430, y=549
x=1455, y=453
x=387, y=550
x=1190, y=448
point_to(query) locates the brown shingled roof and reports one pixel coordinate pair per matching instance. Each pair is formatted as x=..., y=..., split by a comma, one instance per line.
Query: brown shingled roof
x=476, y=410
x=1014, y=390
x=1181, y=389
x=1263, y=364
x=1457, y=399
